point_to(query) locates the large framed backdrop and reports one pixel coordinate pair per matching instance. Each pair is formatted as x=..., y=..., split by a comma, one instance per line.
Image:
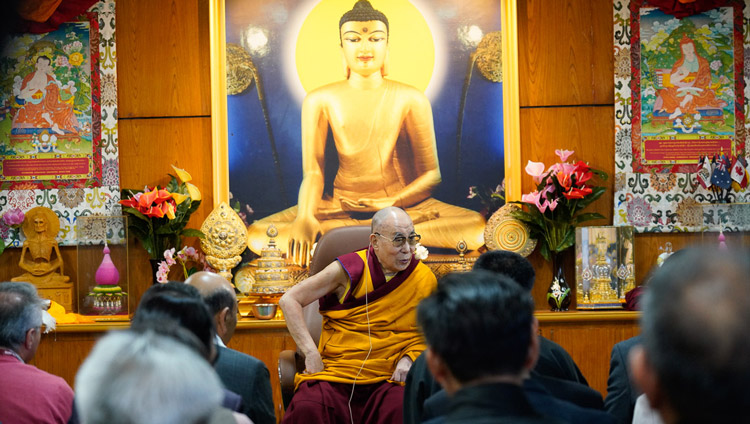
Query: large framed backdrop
x=267, y=56
x=58, y=121
x=681, y=92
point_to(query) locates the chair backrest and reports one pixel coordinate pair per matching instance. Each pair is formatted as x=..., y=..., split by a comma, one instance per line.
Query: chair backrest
x=331, y=245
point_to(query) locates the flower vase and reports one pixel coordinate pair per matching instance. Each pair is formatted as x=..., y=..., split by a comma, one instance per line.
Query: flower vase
x=558, y=293
x=154, y=268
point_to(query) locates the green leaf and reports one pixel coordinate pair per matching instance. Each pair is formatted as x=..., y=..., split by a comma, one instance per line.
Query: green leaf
x=136, y=213
x=190, y=232
x=2, y=246
x=587, y=217
x=544, y=250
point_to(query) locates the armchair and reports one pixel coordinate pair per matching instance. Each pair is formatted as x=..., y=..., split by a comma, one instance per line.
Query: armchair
x=332, y=244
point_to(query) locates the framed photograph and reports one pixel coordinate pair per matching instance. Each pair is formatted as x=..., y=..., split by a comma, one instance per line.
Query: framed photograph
x=326, y=111
x=58, y=121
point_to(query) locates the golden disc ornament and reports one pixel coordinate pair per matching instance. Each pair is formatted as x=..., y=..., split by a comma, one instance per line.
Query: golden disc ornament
x=503, y=232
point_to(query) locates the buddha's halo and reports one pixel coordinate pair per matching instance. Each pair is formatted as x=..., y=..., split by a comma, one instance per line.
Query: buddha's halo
x=312, y=56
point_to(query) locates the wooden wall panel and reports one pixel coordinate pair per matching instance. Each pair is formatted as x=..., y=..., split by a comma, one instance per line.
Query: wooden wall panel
x=163, y=58
x=565, y=52
x=589, y=132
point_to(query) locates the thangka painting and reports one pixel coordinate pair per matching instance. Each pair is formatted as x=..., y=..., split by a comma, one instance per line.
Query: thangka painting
x=58, y=121
x=310, y=150
x=680, y=98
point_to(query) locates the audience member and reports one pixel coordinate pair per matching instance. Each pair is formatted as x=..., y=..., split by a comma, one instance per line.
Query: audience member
x=480, y=331
x=132, y=378
x=184, y=307
x=424, y=399
x=643, y=413
x=240, y=373
x=27, y=394
x=621, y=392
x=694, y=363
x=553, y=361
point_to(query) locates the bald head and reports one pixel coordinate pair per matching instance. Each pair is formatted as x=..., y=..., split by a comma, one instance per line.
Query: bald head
x=385, y=216
x=219, y=295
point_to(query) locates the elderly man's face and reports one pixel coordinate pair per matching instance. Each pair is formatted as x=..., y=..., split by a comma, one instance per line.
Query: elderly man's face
x=394, y=256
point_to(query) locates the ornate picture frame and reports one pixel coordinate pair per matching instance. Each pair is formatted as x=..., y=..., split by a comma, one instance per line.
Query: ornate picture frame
x=503, y=145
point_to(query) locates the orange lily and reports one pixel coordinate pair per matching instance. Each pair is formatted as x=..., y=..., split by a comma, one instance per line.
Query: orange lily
x=147, y=199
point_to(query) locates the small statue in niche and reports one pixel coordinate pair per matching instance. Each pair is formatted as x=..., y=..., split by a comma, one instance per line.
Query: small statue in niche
x=40, y=254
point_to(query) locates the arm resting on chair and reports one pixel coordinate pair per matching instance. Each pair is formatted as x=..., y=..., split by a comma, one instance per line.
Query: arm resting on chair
x=331, y=279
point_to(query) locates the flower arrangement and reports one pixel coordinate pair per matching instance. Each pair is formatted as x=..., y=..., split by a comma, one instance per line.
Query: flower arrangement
x=11, y=222
x=159, y=215
x=186, y=255
x=563, y=190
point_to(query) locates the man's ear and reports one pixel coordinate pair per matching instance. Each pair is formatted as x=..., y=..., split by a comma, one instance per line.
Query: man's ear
x=440, y=371
x=533, y=351
x=28, y=342
x=644, y=376
x=221, y=321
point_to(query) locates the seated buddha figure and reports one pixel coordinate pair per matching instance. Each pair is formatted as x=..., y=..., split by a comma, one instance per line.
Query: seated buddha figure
x=43, y=107
x=385, y=141
x=40, y=254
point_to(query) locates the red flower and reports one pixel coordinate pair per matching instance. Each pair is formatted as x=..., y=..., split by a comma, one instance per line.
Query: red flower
x=582, y=177
x=147, y=199
x=577, y=193
x=564, y=180
x=154, y=212
x=130, y=203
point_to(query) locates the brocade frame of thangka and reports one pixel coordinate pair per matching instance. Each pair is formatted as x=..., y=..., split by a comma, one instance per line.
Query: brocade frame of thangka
x=658, y=136
x=71, y=167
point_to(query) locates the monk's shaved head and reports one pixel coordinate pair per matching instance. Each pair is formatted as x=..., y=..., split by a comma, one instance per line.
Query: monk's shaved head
x=383, y=216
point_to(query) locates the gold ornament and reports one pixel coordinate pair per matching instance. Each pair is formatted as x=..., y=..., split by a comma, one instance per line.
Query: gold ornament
x=504, y=232
x=240, y=69
x=490, y=56
x=225, y=240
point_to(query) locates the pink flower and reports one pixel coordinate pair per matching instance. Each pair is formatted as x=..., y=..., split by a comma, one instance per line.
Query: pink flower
x=169, y=256
x=536, y=170
x=548, y=190
x=531, y=198
x=472, y=192
x=553, y=204
x=191, y=253
x=563, y=154
x=13, y=217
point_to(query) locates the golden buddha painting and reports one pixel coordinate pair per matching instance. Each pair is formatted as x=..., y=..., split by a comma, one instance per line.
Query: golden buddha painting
x=337, y=109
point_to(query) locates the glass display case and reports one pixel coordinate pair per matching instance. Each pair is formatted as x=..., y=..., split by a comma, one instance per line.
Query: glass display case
x=604, y=266
x=103, y=280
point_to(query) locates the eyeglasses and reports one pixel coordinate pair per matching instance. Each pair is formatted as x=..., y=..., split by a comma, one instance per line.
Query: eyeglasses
x=399, y=241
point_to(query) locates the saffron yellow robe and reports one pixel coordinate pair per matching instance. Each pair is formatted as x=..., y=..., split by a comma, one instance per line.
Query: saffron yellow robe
x=391, y=305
